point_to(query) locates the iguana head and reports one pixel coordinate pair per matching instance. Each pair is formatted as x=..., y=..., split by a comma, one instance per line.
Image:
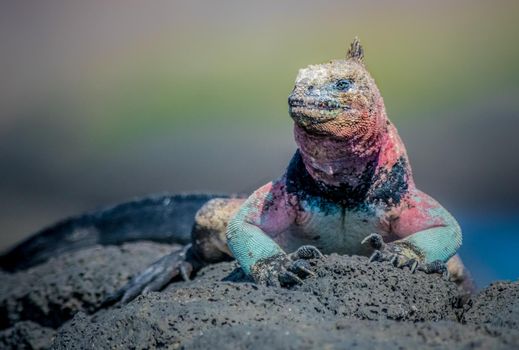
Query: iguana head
x=340, y=120
x=337, y=99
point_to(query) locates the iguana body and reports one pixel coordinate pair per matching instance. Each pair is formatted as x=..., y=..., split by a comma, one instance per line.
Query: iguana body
x=349, y=178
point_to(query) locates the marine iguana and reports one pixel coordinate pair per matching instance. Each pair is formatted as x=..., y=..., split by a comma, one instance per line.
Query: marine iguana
x=348, y=189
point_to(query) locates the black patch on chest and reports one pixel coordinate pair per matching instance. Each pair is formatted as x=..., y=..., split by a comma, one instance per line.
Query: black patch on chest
x=376, y=187
x=300, y=183
x=389, y=186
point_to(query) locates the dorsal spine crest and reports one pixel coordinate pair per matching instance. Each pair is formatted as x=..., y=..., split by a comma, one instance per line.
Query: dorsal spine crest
x=356, y=51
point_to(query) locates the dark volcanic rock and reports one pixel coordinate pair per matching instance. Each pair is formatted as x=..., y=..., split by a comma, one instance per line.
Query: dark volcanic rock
x=356, y=334
x=51, y=293
x=350, y=287
x=26, y=335
x=349, y=303
x=497, y=305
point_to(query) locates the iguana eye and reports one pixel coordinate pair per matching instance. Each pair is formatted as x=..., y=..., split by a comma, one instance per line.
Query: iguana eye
x=344, y=84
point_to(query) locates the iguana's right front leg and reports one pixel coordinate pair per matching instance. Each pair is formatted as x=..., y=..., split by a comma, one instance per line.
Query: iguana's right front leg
x=267, y=212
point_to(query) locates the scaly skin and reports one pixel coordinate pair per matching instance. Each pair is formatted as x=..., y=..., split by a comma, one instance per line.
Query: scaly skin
x=349, y=177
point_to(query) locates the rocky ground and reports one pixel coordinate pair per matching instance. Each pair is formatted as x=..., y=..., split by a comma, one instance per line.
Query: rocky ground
x=349, y=304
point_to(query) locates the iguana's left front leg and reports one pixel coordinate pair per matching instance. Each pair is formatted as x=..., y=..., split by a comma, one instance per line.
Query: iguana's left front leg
x=429, y=236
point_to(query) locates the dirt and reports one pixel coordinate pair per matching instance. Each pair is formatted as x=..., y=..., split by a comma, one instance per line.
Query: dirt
x=348, y=304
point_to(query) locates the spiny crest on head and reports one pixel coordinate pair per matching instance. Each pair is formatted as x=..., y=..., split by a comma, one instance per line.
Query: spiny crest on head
x=356, y=51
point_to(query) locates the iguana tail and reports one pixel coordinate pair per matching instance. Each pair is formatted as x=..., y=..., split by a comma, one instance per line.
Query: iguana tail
x=159, y=218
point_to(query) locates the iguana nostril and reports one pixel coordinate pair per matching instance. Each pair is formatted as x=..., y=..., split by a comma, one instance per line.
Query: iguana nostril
x=312, y=91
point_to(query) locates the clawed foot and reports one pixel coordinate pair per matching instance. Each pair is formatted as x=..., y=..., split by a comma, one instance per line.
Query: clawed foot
x=402, y=255
x=155, y=277
x=282, y=270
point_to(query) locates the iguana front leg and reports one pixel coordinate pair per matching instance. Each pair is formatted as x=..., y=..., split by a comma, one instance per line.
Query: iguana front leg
x=429, y=236
x=266, y=214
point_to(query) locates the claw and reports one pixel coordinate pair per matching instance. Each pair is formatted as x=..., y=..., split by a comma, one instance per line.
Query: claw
x=285, y=269
x=185, y=271
x=436, y=266
x=301, y=267
x=376, y=256
x=411, y=263
x=414, y=265
x=399, y=256
x=308, y=252
x=393, y=260
x=273, y=281
x=289, y=278
x=375, y=241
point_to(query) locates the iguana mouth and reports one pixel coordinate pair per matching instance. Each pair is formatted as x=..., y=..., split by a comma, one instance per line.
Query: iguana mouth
x=327, y=105
x=307, y=116
x=307, y=112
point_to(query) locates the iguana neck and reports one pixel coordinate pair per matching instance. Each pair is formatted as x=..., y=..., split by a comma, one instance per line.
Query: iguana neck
x=340, y=161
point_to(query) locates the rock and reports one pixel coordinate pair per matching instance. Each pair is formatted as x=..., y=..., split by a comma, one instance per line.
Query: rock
x=351, y=287
x=51, y=293
x=497, y=305
x=355, y=334
x=26, y=335
x=349, y=303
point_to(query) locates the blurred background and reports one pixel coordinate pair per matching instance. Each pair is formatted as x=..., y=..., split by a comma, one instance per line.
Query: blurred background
x=104, y=100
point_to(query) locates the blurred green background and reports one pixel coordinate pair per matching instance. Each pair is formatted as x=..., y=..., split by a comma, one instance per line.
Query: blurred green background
x=101, y=101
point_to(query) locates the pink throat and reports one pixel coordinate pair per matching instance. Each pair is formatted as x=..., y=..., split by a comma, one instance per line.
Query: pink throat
x=337, y=162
